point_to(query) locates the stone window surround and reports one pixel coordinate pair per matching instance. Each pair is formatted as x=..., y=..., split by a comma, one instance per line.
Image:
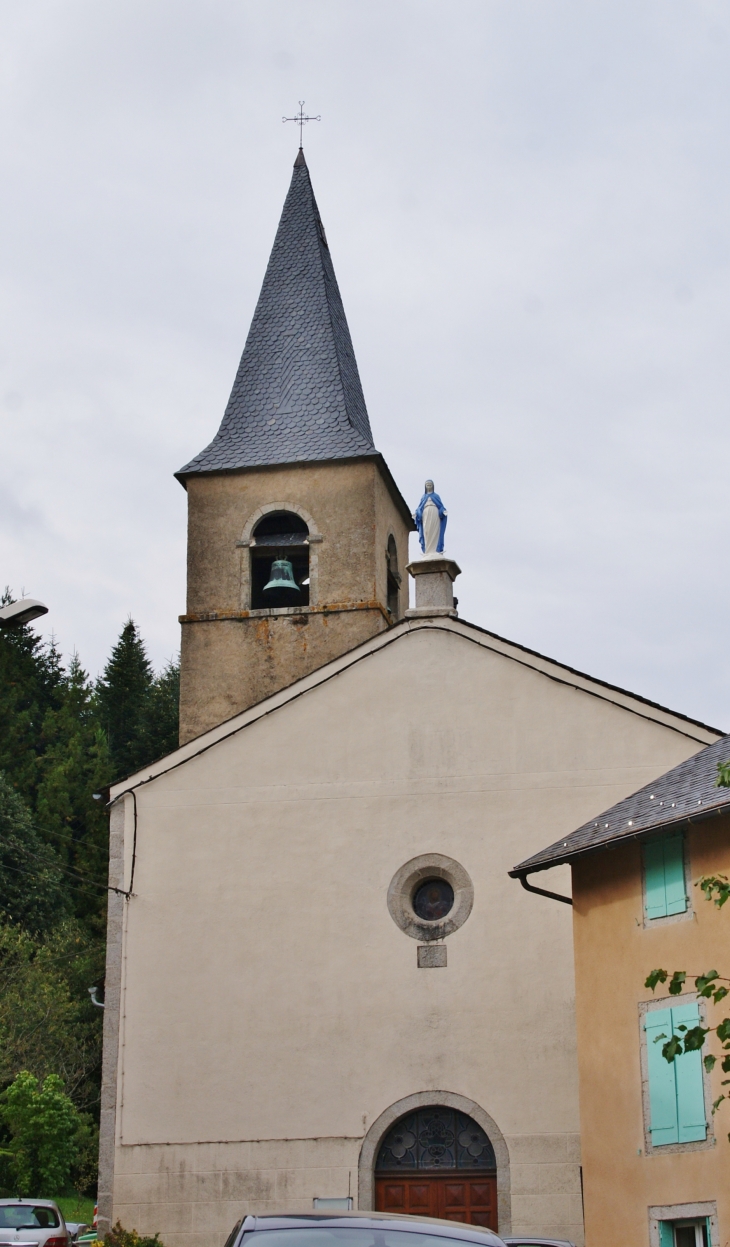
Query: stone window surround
x=244, y=543
x=683, y=1212
x=651, y=1006
x=427, y=1099
x=650, y=924
x=403, y=886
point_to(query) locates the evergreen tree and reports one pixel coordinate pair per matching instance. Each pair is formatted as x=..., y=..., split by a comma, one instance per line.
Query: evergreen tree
x=75, y=765
x=31, y=681
x=162, y=727
x=32, y=892
x=123, y=695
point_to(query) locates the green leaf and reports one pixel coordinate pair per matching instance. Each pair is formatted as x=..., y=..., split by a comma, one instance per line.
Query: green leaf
x=725, y=1066
x=677, y=983
x=718, y=1101
x=720, y=994
x=723, y=1030
x=710, y=1062
x=704, y=983
x=715, y=884
x=672, y=1048
x=723, y=775
x=695, y=1038
x=656, y=976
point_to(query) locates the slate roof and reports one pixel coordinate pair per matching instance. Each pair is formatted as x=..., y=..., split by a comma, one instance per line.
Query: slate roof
x=688, y=792
x=297, y=396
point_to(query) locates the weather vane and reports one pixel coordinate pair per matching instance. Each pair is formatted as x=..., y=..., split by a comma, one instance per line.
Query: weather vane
x=301, y=120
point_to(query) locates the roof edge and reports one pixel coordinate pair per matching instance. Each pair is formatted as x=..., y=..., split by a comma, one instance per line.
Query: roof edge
x=373, y=455
x=528, y=867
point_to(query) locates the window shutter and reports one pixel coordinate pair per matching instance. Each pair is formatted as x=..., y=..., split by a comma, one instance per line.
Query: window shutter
x=674, y=882
x=691, y=1119
x=656, y=893
x=664, y=882
x=662, y=1081
x=666, y=1234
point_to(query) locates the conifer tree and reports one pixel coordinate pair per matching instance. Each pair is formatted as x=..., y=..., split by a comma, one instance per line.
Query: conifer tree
x=31, y=680
x=75, y=765
x=32, y=893
x=163, y=712
x=123, y=694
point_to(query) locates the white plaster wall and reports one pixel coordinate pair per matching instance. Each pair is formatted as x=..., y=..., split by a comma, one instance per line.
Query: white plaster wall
x=271, y=1006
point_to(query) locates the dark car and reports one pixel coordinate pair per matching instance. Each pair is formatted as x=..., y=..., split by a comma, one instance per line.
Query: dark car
x=356, y=1229
x=537, y=1242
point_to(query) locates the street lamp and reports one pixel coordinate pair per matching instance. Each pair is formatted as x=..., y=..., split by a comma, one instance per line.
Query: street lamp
x=21, y=612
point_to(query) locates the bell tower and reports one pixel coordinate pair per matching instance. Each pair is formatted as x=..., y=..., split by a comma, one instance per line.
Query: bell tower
x=297, y=532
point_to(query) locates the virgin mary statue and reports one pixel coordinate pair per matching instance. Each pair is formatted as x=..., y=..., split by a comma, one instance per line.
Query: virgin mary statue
x=430, y=517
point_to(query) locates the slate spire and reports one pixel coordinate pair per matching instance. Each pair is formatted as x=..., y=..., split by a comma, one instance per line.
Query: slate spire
x=297, y=396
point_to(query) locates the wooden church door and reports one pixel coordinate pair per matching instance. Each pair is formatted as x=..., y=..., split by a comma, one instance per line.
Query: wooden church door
x=437, y=1162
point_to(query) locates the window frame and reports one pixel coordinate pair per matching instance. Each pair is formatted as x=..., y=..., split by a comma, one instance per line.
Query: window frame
x=688, y=911
x=650, y=1148
x=669, y=1214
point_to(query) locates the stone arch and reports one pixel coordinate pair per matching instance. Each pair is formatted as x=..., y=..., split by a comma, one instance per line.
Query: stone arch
x=315, y=538
x=424, y=1099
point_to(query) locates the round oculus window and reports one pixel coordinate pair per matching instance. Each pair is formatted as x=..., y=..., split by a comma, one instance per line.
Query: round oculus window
x=433, y=900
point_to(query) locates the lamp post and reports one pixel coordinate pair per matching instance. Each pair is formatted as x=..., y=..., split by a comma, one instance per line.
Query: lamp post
x=21, y=612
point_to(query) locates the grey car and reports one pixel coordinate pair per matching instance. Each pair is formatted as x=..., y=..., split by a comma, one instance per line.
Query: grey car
x=357, y=1229
x=36, y=1222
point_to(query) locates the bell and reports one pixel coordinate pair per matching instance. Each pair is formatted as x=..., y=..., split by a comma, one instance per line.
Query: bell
x=282, y=577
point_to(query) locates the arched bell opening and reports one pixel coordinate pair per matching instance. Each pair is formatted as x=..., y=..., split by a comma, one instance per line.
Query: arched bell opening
x=279, y=562
x=439, y=1162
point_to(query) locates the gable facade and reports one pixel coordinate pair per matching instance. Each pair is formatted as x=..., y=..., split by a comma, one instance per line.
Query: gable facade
x=269, y=1016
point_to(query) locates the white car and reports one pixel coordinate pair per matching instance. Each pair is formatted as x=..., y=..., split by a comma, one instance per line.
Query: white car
x=36, y=1222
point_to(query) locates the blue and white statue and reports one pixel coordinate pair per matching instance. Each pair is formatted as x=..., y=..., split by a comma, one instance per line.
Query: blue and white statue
x=430, y=517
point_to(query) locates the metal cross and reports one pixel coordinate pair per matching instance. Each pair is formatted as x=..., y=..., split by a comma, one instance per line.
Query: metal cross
x=301, y=120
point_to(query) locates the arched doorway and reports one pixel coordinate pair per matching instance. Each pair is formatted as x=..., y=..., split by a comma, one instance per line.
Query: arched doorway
x=437, y=1161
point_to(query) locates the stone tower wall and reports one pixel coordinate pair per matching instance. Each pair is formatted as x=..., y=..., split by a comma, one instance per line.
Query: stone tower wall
x=233, y=657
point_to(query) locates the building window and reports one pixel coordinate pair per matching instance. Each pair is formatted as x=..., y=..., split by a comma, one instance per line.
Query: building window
x=280, y=537
x=436, y=1138
x=393, y=578
x=665, y=887
x=676, y=1089
x=694, y=1233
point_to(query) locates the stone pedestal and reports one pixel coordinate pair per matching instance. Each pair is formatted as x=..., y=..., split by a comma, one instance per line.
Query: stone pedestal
x=434, y=577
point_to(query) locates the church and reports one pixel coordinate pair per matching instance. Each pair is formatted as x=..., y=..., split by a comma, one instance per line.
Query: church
x=323, y=989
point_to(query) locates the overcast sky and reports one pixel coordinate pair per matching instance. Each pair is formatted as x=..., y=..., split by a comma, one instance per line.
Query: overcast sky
x=528, y=211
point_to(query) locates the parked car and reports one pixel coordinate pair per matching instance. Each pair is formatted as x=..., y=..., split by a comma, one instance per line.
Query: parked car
x=356, y=1229
x=77, y=1228
x=537, y=1242
x=37, y=1222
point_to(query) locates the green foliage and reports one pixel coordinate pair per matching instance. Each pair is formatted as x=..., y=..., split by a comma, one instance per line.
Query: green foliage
x=76, y=1208
x=75, y=765
x=32, y=893
x=723, y=775
x=123, y=696
x=47, y=1022
x=715, y=887
x=119, y=1237
x=62, y=740
x=31, y=680
x=45, y=1127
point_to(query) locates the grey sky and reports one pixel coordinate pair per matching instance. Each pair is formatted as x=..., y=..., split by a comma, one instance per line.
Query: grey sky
x=527, y=205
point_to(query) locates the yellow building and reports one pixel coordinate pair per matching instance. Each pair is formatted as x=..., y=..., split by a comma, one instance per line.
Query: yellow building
x=656, y=1162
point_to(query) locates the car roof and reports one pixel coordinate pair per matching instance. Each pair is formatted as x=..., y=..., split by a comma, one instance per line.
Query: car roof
x=521, y=1240
x=401, y=1221
x=37, y=1203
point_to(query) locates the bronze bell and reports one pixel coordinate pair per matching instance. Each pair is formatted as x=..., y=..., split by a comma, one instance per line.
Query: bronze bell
x=282, y=577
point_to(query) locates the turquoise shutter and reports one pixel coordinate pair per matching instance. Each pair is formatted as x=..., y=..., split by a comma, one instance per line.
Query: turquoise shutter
x=664, y=1125
x=664, y=882
x=656, y=893
x=708, y=1232
x=674, y=883
x=690, y=1090
x=666, y=1234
